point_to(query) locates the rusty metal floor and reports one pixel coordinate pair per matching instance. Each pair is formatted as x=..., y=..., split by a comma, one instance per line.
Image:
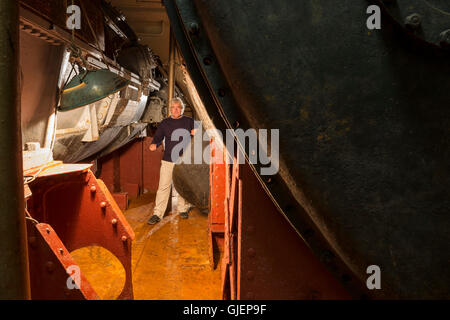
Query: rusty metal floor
x=170, y=259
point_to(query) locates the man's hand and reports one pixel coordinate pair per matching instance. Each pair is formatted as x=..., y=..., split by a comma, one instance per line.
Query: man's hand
x=152, y=147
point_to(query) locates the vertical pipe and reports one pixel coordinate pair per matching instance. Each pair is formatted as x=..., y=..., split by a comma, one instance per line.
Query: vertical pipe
x=14, y=275
x=142, y=142
x=170, y=95
x=172, y=48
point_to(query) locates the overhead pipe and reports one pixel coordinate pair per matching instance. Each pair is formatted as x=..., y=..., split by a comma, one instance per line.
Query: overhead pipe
x=14, y=275
x=172, y=49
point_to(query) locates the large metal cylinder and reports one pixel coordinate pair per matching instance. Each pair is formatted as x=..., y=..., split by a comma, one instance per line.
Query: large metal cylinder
x=191, y=180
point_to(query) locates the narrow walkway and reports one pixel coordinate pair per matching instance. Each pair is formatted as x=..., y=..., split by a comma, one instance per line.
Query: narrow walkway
x=170, y=259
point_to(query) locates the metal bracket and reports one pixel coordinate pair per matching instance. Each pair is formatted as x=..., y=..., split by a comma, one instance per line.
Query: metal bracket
x=82, y=213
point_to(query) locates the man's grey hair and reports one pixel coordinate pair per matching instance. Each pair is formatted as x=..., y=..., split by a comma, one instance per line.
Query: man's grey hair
x=177, y=100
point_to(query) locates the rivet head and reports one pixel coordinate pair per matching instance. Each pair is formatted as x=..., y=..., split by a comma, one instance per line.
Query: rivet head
x=48, y=230
x=413, y=21
x=103, y=204
x=207, y=60
x=221, y=92
x=114, y=222
x=50, y=266
x=251, y=252
x=32, y=242
x=194, y=28
x=124, y=238
x=61, y=251
x=249, y=295
x=250, y=275
x=93, y=189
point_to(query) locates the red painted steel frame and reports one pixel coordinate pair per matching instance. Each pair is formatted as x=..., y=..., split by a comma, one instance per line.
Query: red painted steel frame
x=218, y=176
x=264, y=258
x=49, y=262
x=132, y=168
x=82, y=213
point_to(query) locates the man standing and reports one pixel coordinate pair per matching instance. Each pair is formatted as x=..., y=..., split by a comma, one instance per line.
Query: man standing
x=164, y=132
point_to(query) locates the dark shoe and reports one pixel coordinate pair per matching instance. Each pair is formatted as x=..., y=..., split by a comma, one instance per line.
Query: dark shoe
x=184, y=215
x=154, y=219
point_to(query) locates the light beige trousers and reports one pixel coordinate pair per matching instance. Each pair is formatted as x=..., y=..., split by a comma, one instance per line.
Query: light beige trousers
x=163, y=193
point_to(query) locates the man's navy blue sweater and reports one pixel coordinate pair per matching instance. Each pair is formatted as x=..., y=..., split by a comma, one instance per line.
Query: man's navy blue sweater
x=165, y=130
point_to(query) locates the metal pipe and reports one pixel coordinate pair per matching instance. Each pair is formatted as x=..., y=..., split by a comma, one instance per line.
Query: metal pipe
x=172, y=48
x=14, y=274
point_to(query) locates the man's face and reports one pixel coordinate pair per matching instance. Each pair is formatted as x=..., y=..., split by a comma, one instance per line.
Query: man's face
x=175, y=110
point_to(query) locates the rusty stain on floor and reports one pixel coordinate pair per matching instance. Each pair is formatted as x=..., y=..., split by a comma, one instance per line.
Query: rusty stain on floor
x=170, y=259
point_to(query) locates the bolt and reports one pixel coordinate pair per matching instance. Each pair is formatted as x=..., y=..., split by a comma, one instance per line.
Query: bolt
x=103, y=204
x=32, y=242
x=50, y=266
x=124, y=238
x=207, y=60
x=114, y=222
x=413, y=21
x=445, y=37
x=61, y=251
x=93, y=189
x=48, y=230
x=194, y=28
x=221, y=92
x=251, y=252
